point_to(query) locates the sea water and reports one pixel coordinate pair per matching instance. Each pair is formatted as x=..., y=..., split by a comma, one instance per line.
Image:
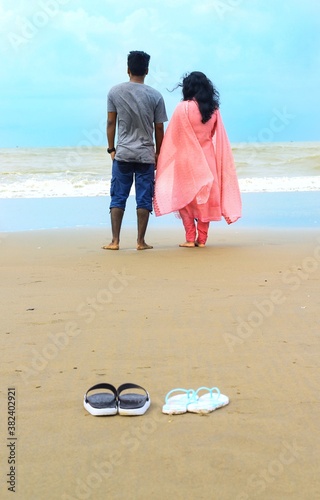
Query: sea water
x=42, y=188
x=86, y=171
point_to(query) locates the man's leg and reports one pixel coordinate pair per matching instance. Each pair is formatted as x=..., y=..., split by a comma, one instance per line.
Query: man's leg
x=121, y=182
x=142, y=220
x=144, y=184
x=116, y=221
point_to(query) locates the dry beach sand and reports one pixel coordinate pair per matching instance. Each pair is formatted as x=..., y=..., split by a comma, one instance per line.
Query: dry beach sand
x=241, y=314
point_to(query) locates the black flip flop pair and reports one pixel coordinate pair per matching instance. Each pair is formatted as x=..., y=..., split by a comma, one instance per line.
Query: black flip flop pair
x=114, y=401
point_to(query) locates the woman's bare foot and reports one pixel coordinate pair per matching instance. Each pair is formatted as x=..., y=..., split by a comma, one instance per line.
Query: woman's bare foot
x=144, y=246
x=187, y=244
x=200, y=245
x=111, y=246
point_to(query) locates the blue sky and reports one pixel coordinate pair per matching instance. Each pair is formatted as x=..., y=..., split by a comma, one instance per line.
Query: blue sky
x=60, y=57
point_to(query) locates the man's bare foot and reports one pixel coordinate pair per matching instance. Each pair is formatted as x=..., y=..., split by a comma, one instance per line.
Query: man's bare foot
x=144, y=246
x=111, y=246
x=200, y=245
x=187, y=244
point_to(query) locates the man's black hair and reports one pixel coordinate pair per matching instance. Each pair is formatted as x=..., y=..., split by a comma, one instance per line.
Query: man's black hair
x=138, y=62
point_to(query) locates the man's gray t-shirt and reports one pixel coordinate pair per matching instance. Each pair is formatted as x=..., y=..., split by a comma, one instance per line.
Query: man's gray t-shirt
x=138, y=107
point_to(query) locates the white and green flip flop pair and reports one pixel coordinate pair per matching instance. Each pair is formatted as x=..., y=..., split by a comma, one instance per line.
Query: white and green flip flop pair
x=203, y=400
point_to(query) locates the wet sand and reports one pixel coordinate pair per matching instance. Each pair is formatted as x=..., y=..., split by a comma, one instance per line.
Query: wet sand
x=241, y=314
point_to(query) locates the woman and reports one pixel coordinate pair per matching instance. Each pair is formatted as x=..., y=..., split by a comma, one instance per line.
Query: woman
x=195, y=174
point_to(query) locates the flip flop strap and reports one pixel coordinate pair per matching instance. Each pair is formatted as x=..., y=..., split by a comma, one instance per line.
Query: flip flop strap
x=190, y=393
x=129, y=385
x=103, y=386
x=209, y=390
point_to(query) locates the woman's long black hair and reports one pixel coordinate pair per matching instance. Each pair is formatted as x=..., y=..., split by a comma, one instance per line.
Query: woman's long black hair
x=197, y=86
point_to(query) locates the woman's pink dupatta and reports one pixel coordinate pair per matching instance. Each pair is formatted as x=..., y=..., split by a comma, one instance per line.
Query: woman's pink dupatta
x=183, y=173
x=230, y=197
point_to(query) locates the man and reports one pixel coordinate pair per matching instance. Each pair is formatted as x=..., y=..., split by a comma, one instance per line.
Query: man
x=139, y=111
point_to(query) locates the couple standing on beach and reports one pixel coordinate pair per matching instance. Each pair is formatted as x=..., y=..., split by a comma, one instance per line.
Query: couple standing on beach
x=195, y=172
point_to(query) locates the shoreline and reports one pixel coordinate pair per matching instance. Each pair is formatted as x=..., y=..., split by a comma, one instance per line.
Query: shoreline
x=265, y=209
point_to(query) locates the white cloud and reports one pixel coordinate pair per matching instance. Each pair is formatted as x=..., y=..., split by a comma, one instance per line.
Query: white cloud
x=255, y=52
x=82, y=25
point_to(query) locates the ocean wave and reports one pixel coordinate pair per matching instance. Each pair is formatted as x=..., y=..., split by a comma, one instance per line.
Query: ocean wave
x=79, y=172
x=54, y=189
x=32, y=188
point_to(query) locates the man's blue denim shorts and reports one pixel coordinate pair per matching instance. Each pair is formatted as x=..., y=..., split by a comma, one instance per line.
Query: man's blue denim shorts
x=123, y=174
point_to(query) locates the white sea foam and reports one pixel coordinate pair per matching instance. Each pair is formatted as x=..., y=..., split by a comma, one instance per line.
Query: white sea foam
x=34, y=188
x=278, y=184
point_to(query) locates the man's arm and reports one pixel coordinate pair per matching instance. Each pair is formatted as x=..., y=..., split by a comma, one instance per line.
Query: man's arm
x=111, y=130
x=159, y=133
